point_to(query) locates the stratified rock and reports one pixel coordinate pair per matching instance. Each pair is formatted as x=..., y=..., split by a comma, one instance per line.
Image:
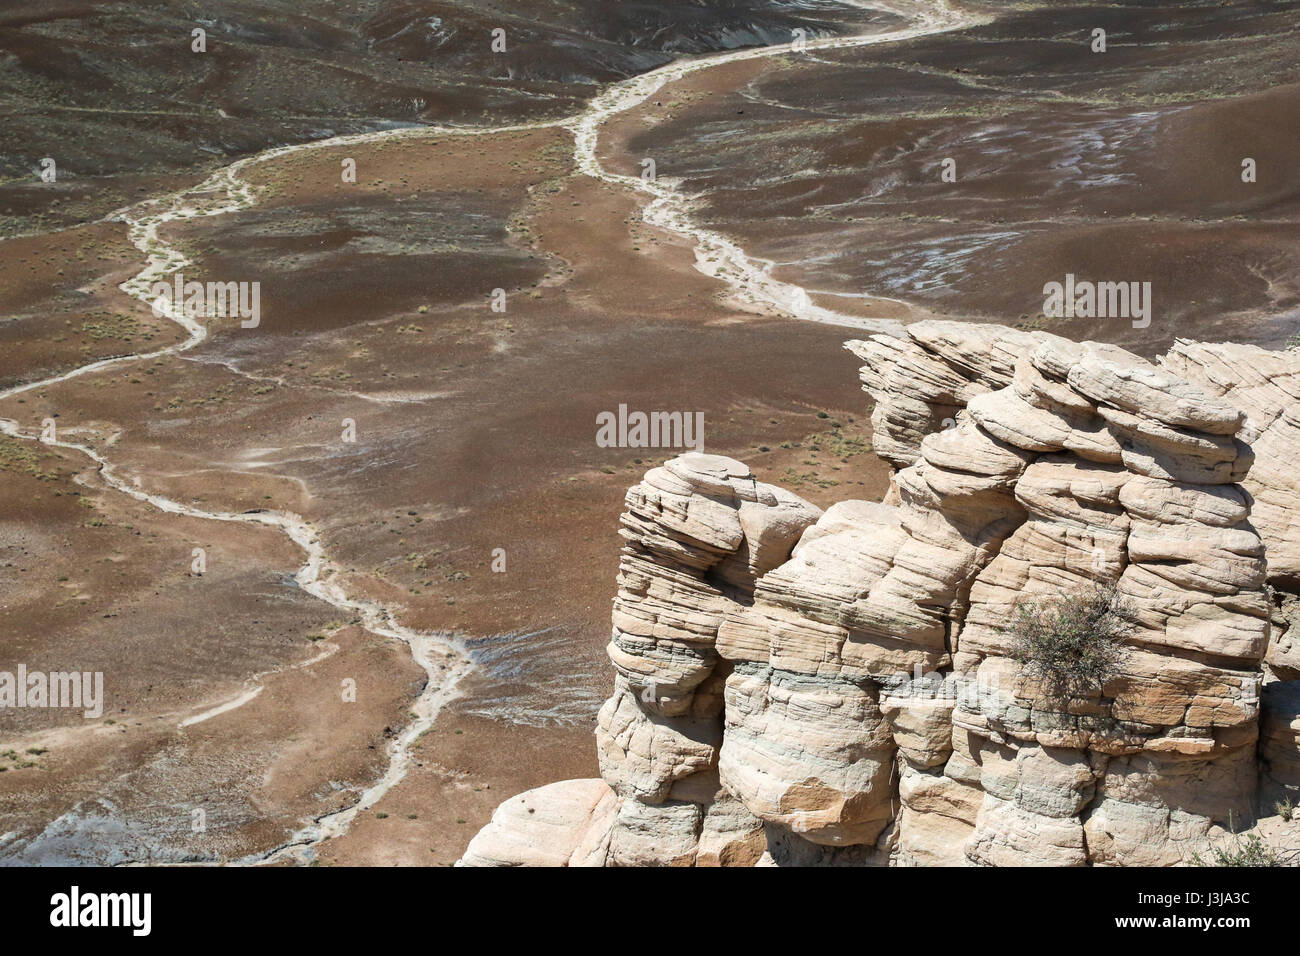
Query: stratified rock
x=796, y=688
x=1161, y=809
x=1007, y=835
x=919, y=383
x=730, y=835
x=1266, y=386
x=664, y=834
x=642, y=755
x=914, y=392
x=810, y=754
x=543, y=827
x=697, y=530
x=1120, y=380
x=920, y=724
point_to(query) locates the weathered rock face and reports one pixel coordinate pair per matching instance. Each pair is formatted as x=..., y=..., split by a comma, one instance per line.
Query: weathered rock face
x=1266, y=387
x=548, y=826
x=797, y=687
x=698, y=532
x=919, y=383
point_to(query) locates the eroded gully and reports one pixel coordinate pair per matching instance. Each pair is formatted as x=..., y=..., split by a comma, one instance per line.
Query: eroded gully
x=438, y=653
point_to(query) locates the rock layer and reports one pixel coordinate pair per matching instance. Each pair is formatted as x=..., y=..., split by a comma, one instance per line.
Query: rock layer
x=798, y=687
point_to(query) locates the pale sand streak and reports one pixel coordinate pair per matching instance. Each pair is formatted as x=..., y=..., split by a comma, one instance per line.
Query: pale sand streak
x=225, y=708
x=716, y=255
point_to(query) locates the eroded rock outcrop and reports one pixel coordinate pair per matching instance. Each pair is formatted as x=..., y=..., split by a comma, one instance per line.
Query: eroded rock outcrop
x=798, y=687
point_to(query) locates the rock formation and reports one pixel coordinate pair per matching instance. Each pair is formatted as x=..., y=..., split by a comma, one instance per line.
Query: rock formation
x=799, y=687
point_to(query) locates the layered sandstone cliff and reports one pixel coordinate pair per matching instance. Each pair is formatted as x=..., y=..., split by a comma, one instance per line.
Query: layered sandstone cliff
x=799, y=687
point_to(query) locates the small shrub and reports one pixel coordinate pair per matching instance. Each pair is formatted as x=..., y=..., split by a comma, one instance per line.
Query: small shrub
x=1285, y=809
x=1073, y=642
x=1247, y=849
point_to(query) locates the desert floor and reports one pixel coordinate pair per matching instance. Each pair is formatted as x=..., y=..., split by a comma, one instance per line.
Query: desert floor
x=475, y=429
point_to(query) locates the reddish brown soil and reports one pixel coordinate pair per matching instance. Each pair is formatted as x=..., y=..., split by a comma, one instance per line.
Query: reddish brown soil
x=500, y=454
x=1117, y=167
x=476, y=429
x=60, y=306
